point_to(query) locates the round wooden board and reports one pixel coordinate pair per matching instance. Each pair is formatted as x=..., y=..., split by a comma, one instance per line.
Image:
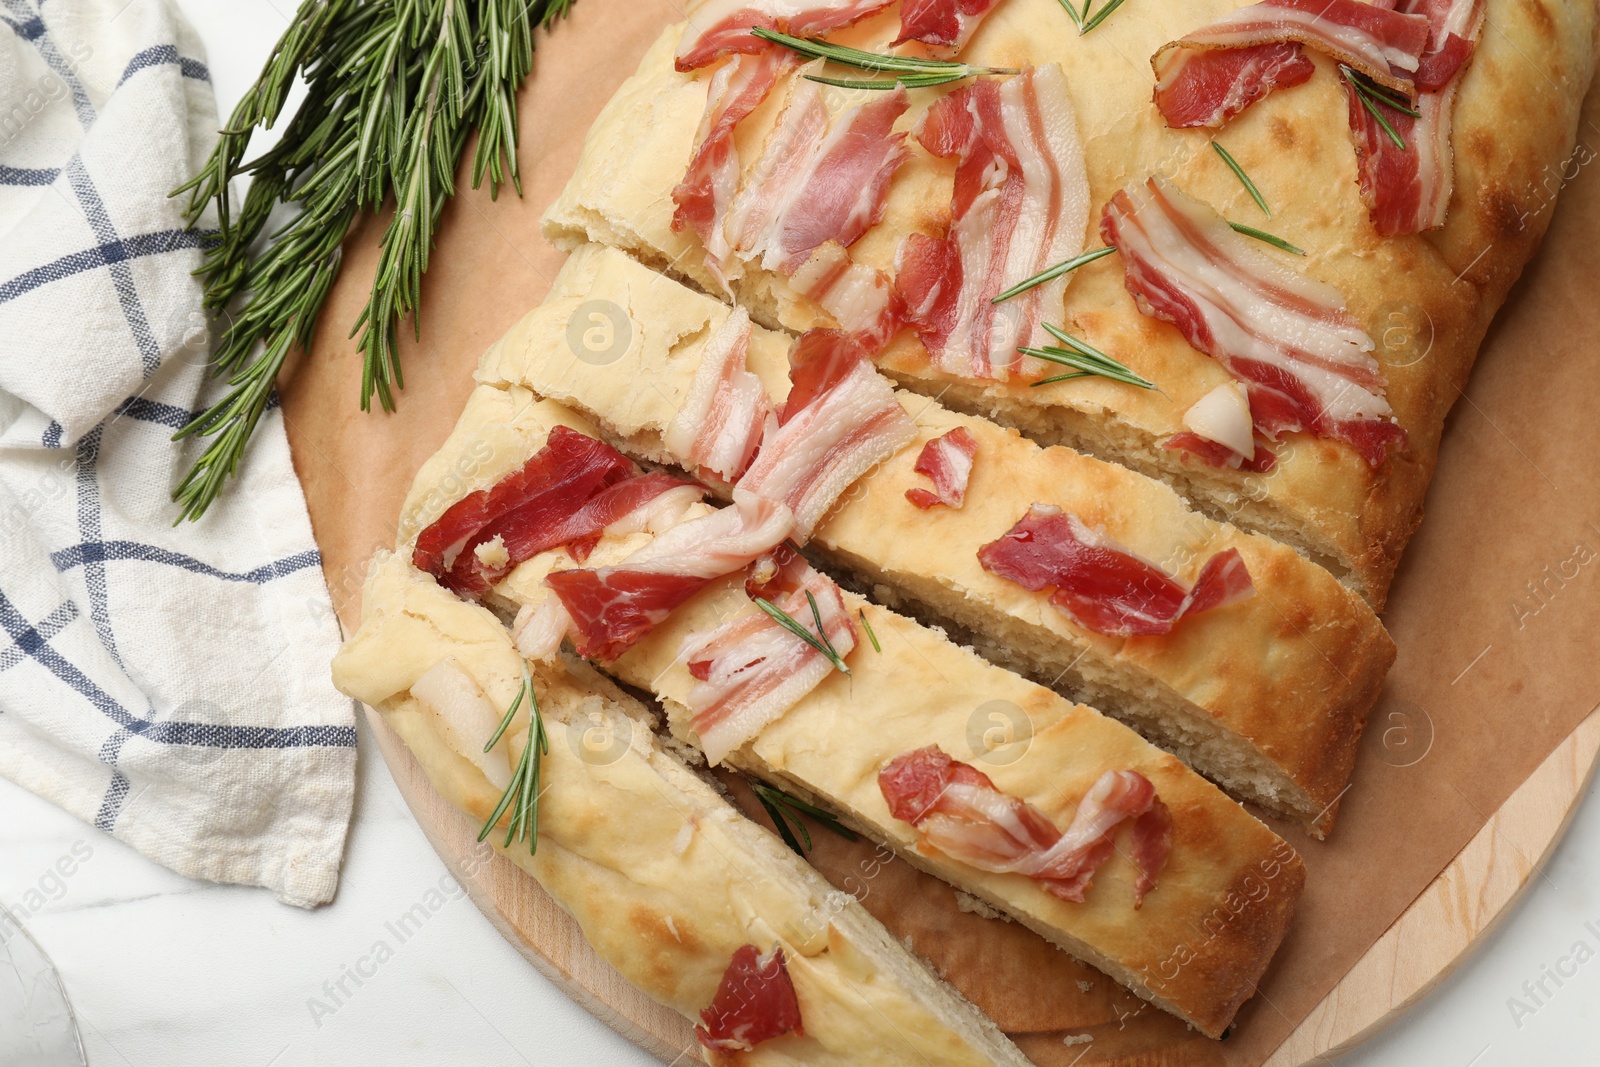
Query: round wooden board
x=1434, y=935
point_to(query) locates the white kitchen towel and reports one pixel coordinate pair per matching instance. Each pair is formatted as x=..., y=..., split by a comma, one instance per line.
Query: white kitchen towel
x=167, y=683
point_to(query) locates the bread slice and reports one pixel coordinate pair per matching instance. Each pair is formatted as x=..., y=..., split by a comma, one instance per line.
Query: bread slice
x=1426, y=299
x=663, y=875
x=1267, y=697
x=1225, y=899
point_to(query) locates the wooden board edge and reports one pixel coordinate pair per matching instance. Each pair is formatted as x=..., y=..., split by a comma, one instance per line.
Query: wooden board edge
x=525, y=915
x=1456, y=912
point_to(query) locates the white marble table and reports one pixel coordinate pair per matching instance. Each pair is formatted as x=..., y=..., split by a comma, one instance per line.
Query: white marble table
x=169, y=973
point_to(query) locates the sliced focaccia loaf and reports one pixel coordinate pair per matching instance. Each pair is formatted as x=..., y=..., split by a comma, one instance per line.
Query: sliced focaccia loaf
x=1405, y=313
x=673, y=887
x=1186, y=910
x=1267, y=696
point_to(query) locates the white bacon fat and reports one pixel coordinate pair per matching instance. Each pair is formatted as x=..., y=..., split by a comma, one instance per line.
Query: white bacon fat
x=720, y=423
x=1021, y=205
x=750, y=670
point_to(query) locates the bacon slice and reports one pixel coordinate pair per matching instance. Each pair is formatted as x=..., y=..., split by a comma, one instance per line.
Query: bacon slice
x=613, y=608
x=1384, y=45
x=947, y=459
x=532, y=510
x=1099, y=584
x=720, y=423
x=1302, y=357
x=810, y=186
x=750, y=670
x=1021, y=205
x=718, y=27
x=844, y=421
x=538, y=632
x=944, y=23
x=958, y=810
x=613, y=506
x=860, y=298
x=1407, y=190
x=707, y=190
x=1207, y=87
x=755, y=1002
x=1215, y=454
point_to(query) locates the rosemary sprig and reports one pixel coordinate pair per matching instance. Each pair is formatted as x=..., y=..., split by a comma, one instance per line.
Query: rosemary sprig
x=394, y=89
x=790, y=623
x=868, y=627
x=1272, y=239
x=1372, y=94
x=1054, y=272
x=1087, y=23
x=1244, y=179
x=910, y=71
x=1071, y=8
x=1085, y=359
x=785, y=808
x=522, y=795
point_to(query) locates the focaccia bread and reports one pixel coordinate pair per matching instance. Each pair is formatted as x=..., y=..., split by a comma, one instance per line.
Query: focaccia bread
x=922, y=689
x=1426, y=299
x=666, y=879
x=1267, y=697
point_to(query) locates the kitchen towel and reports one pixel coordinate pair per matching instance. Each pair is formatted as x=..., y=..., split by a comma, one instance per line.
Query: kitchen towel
x=167, y=683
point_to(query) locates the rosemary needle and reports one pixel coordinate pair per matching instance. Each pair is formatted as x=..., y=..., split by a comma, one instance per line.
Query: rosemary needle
x=1085, y=359
x=1072, y=13
x=790, y=623
x=1054, y=272
x=1371, y=95
x=1271, y=239
x=522, y=794
x=1244, y=179
x=911, y=71
x=868, y=627
x=1091, y=23
x=394, y=91
x=784, y=809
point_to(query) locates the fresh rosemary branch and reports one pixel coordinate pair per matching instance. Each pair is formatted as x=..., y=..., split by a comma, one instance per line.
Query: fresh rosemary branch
x=1244, y=179
x=1054, y=272
x=1371, y=94
x=865, y=625
x=1085, y=359
x=1071, y=9
x=784, y=809
x=793, y=625
x=1271, y=239
x=394, y=88
x=522, y=795
x=1086, y=23
x=910, y=71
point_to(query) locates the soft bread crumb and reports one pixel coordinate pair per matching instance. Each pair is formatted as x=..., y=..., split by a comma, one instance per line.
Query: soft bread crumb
x=492, y=553
x=1084, y=987
x=972, y=905
x=1077, y=1039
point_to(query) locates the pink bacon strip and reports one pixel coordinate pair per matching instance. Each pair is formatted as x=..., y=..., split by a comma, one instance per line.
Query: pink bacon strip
x=958, y=810
x=1102, y=586
x=721, y=421
x=1207, y=87
x=1407, y=190
x=1384, y=45
x=719, y=27
x=942, y=23
x=1021, y=204
x=707, y=190
x=1304, y=360
x=860, y=298
x=566, y=494
x=815, y=184
x=754, y=1002
x=750, y=670
x=613, y=608
x=841, y=419
x=947, y=459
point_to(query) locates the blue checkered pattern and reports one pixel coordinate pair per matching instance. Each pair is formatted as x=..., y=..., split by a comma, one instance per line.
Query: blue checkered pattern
x=167, y=683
